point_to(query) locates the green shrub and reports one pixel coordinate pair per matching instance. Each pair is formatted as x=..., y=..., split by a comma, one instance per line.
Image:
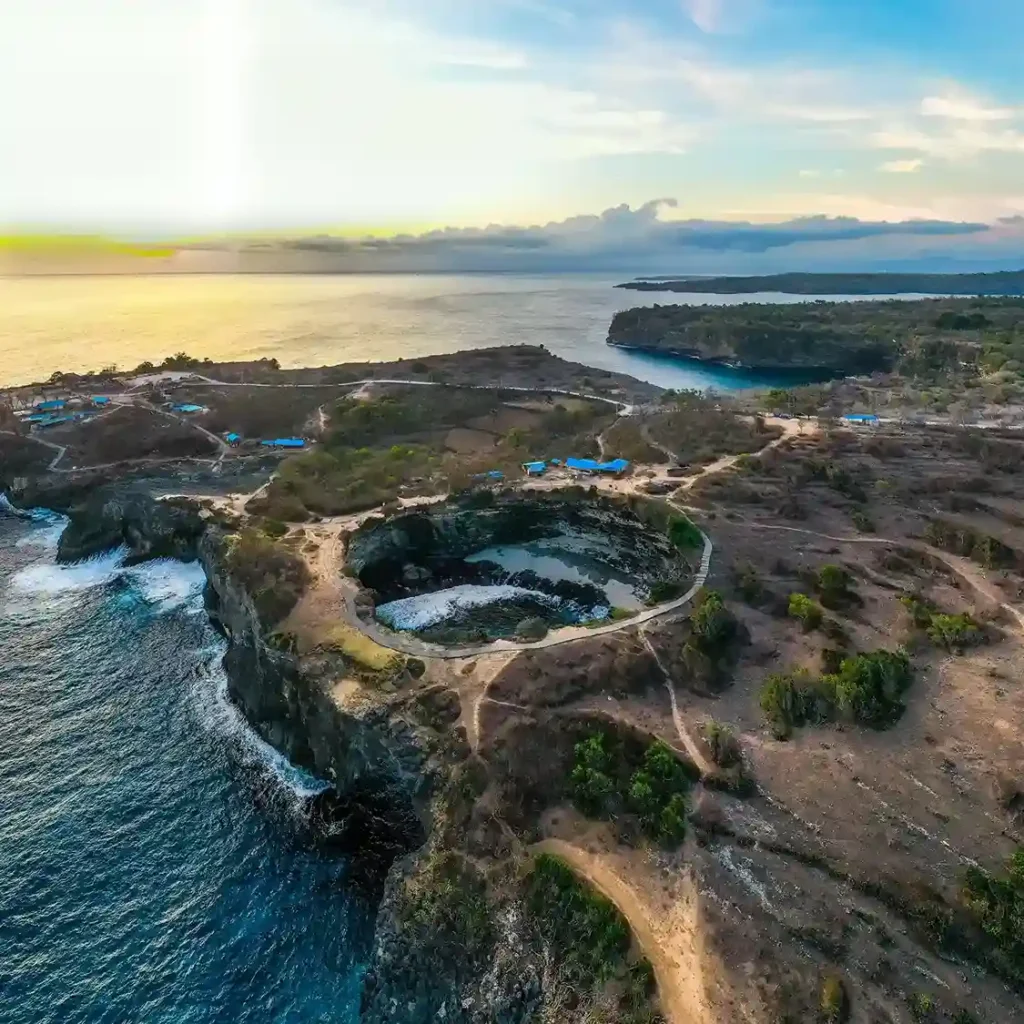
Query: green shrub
x=713, y=625
x=607, y=782
x=723, y=745
x=833, y=1001
x=808, y=612
x=749, y=585
x=997, y=903
x=862, y=521
x=683, y=534
x=592, y=784
x=274, y=529
x=834, y=586
x=869, y=687
x=793, y=699
x=664, y=590
x=591, y=937
x=922, y=1006
x=954, y=632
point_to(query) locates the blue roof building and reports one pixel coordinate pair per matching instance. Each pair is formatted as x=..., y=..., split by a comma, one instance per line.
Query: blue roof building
x=535, y=468
x=496, y=474
x=232, y=438
x=860, y=417
x=51, y=406
x=188, y=407
x=593, y=466
x=100, y=400
x=284, y=442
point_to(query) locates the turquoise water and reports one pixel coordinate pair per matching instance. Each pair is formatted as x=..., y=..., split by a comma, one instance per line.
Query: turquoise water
x=153, y=863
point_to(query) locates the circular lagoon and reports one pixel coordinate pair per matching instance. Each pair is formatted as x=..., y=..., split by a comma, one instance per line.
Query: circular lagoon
x=511, y=566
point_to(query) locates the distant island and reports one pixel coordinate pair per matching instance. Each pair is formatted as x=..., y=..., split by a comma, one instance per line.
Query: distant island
x=1003, y=282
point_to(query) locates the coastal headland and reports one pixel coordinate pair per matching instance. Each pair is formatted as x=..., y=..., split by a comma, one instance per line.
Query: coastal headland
x=667, y=707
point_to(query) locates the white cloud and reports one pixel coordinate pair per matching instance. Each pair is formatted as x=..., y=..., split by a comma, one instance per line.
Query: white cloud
x=902, y=166
x=959, y=106
x=706, y=14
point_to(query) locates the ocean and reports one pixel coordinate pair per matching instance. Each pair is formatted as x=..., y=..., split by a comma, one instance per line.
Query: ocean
x=80, y=324
x=153, y=862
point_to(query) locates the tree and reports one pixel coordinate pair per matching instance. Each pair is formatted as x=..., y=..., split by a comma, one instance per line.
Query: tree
x=712, y=623
x=807, y=611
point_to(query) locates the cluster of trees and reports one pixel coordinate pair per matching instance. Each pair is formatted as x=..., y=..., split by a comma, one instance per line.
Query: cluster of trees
x=607, y=783
x=684, y=534
x=951, y=632
x=867, y=689
x=962, y=540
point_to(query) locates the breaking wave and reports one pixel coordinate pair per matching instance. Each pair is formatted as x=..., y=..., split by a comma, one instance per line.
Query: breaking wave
x=412, y=613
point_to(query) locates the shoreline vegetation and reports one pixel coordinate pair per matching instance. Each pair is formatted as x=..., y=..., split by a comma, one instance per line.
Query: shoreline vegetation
x=996, y=283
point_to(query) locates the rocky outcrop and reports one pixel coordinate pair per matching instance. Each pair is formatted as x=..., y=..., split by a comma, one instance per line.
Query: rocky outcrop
x=111, y=517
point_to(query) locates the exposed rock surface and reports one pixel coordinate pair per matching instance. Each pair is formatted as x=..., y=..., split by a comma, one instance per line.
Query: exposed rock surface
x=150, y=529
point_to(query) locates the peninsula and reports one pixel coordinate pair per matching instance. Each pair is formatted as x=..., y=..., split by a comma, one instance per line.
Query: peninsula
x=634, y=706
x=1000, y=282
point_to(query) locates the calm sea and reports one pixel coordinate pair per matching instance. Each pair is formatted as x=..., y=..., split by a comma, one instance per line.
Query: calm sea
x=152, y=866
x=80, y=324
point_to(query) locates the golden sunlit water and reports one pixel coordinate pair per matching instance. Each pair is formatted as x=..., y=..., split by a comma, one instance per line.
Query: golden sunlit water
x=87, y=323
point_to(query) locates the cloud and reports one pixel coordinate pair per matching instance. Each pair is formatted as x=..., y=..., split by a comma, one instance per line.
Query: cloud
x=644, y=240
x=706, y=14
x=959, y=106
x=902, y=166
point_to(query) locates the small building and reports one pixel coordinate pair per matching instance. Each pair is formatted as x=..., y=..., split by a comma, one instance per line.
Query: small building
x=861, y=419
x=591, y=466
x=534, y=468
x=188, y=407
x=100, y=400
x=53, y=405
x=233, y=439
x=496, y=474
x=284, y=442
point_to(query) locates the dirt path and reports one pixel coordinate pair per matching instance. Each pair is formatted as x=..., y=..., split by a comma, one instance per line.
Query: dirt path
x=677, y=988
x=691, y=746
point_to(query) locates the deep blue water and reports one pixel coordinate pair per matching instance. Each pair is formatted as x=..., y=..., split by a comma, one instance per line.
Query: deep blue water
x=152, y=866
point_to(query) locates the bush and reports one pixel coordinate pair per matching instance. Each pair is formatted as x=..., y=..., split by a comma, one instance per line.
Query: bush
x=808, y=612
x=862, y=521
x=273, y=577
x=869, y=687
x=664, y=590
x=954, y=632
x=532, y=629
x=834, y=586
x=274, y=529
x=997, y=903
x=833, y=1003
x=591, y=937
x=605, y=784
x=723, y=745
x=749, y=585
x=790, y=700
x=683, y=534
x=713, y=625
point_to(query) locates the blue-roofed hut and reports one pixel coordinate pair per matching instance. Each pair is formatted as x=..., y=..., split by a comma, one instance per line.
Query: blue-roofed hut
x=284, y=442
x=534, y=468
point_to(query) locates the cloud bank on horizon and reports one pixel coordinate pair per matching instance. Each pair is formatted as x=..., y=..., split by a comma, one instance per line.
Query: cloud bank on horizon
x=643, y=241
x=767, y=119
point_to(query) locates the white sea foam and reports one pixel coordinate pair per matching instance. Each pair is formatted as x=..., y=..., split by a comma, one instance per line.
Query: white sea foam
x=429, y=609
x=166, y=584
x=219, y=714
x=49, y=579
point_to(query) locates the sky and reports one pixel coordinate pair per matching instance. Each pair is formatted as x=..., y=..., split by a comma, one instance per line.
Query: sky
x=384, y=116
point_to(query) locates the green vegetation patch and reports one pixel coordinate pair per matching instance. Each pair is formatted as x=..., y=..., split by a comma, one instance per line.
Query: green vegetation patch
x=612, y=780
x=589, y=938
x=951, y=632
x=997, y=904
x=979, y=547
x=806, y=611
x=272, y=576
x=684, y=534
x=446, y=905
x=867, y=690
